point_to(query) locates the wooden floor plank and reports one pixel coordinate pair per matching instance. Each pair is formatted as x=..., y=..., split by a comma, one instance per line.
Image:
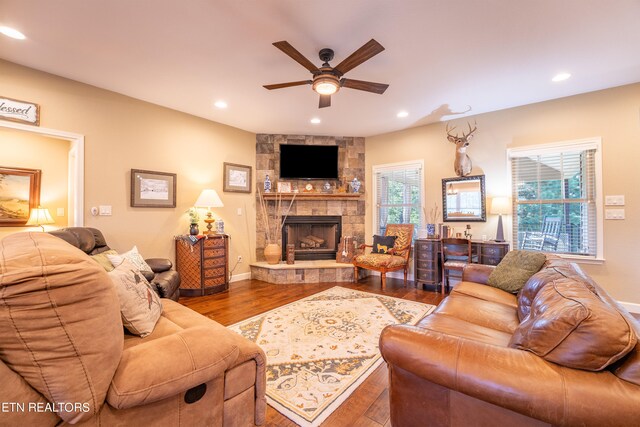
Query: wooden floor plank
x=368, y=406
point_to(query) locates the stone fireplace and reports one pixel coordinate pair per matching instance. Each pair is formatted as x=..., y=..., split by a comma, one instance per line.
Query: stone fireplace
x=314, y=237
x=314, y=204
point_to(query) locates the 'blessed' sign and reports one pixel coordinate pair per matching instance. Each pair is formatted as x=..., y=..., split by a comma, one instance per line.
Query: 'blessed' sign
x=19, y=111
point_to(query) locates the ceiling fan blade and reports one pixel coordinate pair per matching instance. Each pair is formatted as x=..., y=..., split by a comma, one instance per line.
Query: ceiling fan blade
x=325, y=101
x=296, y=56
x=378, y=88
x=289, y=84
x=368, y=51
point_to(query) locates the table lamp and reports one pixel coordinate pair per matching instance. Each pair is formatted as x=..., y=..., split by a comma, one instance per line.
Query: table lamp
x=40, y=216
x=500, y=206
x=209, y=199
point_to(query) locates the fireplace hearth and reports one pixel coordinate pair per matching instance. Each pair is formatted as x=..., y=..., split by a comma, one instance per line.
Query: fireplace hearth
x=314, y=237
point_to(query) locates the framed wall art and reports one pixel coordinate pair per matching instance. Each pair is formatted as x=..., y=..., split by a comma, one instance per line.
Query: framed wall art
x=150, y=189
x=19, y=111
x=237, y=178
x=19, y=193
x=284, y=187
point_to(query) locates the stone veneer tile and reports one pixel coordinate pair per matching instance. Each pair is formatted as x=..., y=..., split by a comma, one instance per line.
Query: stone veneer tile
x=328, y=274
x=344, y=275
x=311, y=275
x=335, y=207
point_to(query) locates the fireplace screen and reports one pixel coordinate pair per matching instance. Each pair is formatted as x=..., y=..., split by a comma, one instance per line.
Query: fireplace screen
x=314, y=237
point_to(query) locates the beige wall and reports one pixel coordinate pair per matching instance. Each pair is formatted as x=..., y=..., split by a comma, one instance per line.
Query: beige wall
x=612, y=114
x=122, y=133
x=27, y=150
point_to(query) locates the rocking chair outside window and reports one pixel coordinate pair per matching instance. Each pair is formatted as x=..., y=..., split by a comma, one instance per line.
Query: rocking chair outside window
x=394, y=260
x=545, y=240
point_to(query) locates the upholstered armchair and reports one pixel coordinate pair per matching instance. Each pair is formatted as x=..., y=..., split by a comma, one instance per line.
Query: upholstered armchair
x=396, y=258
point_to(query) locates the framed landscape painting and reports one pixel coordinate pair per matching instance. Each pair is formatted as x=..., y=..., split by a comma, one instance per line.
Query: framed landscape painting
x=19, y=193
x=237, y=178
x=150, y=189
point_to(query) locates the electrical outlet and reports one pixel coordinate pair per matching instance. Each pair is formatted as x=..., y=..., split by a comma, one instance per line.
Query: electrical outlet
x=239, y=259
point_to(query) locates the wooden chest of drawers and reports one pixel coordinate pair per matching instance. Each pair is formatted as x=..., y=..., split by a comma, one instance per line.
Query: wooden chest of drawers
x=427, y=268
x=203, y=266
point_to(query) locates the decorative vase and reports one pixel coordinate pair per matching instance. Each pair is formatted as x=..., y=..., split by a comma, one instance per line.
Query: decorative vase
x=272, y=253
x=431, y=230
x=267, y=185
x=193, y=229
x=355, y=185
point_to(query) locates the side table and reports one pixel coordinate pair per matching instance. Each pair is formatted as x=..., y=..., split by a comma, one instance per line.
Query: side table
x=203, y=265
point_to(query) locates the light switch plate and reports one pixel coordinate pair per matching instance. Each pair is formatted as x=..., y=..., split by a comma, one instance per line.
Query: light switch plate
x=617, y=200
x=105, y=210
x=60, y=212
x=614, y=214
x=239, y=211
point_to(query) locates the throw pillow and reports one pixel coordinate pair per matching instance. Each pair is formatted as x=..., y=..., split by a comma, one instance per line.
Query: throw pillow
x=140, y=306
x=515, y=269
x=134, y=256
x=383, y=244
x=102, y=259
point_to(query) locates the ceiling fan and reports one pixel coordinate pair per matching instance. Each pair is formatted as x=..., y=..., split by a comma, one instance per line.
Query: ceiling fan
x=327, y=80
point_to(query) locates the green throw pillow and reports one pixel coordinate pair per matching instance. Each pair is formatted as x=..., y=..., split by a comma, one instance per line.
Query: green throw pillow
x=515, y=269
x=102, y=259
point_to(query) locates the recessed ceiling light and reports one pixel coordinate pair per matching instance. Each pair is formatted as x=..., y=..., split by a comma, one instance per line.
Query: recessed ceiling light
x=220, y=104
x=402, y=114
x=560, y=77
x=13, y=33
x=315, y=120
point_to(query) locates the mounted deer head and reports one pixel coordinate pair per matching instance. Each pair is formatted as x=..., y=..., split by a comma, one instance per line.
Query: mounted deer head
x=462, y=163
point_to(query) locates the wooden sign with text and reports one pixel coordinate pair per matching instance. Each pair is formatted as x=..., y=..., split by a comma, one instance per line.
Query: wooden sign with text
x=19, y=111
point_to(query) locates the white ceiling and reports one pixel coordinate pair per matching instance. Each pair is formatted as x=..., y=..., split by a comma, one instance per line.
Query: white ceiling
x=441, y=56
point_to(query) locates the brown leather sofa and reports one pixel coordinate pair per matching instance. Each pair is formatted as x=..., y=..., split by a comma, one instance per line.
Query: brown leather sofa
x=64, y=358
x=91, y=241
x=561, y=352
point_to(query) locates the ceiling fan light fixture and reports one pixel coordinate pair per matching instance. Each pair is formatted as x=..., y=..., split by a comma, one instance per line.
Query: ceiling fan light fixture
x=326, y=85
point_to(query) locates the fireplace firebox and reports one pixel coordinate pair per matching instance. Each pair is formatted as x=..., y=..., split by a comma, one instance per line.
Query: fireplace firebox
x=314, y=237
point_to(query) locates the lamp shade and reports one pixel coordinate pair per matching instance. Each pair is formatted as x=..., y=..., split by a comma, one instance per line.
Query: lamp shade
x=40, y=216
x=500, y=206
x=208, y=199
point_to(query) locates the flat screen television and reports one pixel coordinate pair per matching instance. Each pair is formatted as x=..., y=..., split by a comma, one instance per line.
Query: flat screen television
x=308, y=161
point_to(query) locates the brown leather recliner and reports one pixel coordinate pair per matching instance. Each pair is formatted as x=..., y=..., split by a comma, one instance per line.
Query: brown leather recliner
x=91, y=241
x=562, y=352
x=64, y=358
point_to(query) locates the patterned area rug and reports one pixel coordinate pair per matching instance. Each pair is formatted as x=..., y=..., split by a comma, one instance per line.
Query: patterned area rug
x=320, y=348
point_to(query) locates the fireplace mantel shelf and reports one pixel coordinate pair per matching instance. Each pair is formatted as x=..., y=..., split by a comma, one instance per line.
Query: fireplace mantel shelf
x=313, y=196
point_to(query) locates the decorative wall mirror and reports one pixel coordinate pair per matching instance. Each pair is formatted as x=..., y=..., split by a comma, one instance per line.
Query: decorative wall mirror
x=463, y=199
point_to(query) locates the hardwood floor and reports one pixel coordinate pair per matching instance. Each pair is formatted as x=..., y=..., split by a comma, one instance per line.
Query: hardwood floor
x=368, y=406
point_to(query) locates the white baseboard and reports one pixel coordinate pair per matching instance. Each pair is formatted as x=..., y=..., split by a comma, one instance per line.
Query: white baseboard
x=394, y=274
x=242, y=276
x=632, y=307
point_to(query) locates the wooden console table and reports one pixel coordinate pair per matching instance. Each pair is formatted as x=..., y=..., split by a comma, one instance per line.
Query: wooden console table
x=427, y=269
x=203, y=265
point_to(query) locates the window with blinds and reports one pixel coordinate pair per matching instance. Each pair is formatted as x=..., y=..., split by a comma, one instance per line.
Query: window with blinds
x=398, y=191
x=554, y=193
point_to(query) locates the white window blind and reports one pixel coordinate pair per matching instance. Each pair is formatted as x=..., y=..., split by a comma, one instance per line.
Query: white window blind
x=398, y=191
x=555, y=199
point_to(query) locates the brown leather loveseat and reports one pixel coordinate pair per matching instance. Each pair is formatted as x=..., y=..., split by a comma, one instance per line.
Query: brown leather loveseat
x=91, y=241
x=561, y=352
x=64, y=358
